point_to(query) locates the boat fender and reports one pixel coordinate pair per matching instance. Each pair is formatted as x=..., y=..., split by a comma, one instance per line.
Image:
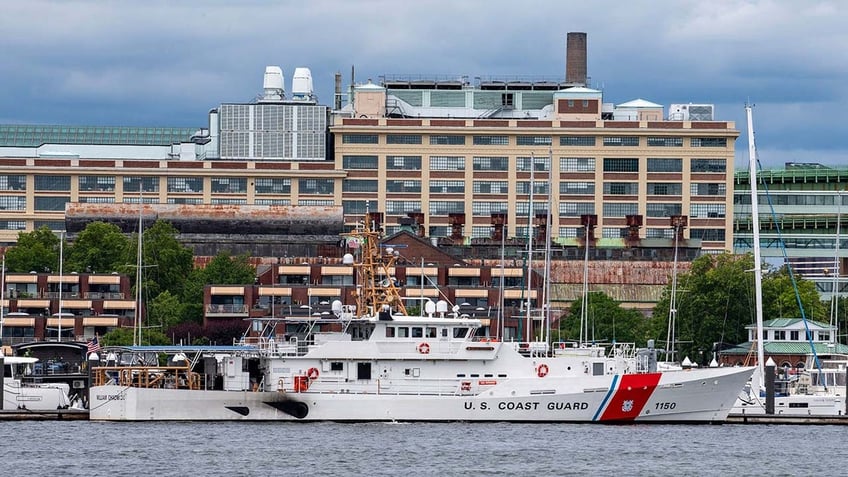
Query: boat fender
x=424, y=348
x=542, y=370
x=312, y=374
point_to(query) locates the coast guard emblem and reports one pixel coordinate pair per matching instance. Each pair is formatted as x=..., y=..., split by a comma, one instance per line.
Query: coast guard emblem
x=627, y=406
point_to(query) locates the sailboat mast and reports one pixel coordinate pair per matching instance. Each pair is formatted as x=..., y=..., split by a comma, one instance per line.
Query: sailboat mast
x=2, y=297
x=755, y=220
x=138, y=275
x=548, y=225
x=528, y=332
x=835, y=291
x=61, y=279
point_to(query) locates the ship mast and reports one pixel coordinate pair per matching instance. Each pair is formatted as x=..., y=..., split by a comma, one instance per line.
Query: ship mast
x=375, y=285
x=755, y=221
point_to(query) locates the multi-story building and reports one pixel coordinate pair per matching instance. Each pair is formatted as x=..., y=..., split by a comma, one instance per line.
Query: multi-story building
x=475, y=149
x=800, y=207
x=42, y=306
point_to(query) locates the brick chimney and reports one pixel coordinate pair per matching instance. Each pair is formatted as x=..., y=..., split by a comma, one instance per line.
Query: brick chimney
x=498, y=224
x=679, y=224
x=418, y=219
x=456, y=221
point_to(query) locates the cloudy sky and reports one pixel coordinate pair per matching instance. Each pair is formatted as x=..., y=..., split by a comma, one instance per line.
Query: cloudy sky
x=167, y=62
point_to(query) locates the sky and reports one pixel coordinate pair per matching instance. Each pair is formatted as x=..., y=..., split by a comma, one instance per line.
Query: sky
x=168, y=62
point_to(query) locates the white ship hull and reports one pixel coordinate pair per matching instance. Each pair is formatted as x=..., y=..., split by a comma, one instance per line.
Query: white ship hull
x=703, y=395
x=34, y=397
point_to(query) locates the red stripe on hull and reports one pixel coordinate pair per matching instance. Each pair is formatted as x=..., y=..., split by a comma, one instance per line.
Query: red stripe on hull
x=631, y=396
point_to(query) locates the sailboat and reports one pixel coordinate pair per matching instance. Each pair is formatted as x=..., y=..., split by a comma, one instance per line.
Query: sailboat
x=819, y=389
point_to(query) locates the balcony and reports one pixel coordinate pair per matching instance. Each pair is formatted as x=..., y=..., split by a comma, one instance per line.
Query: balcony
x=227, y=310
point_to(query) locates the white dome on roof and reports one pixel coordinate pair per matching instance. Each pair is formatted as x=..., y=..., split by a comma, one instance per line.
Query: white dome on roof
x=639, y=103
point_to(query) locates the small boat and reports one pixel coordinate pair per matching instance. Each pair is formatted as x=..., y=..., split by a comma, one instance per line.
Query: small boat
x=21, y=395
x=372, y=361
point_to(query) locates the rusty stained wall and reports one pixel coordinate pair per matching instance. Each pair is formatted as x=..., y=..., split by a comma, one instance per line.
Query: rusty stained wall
x=193, y=218
x=622, y=280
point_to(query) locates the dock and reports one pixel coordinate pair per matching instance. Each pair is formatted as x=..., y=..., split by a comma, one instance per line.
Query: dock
x=57, y=415
x=787, y=419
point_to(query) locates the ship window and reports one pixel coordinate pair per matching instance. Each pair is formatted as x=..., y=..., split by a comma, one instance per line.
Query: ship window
x=444, y=332
x=502, y=375
x=403, y=332
x=798, y=404
x=460, y=332
x=487, y=376
x=475, y=375
x=460, y=375
x=390, y=332
x=336, y=366
x=431, y=332
x=363, y=370
x=407, y=371
x=417, y=332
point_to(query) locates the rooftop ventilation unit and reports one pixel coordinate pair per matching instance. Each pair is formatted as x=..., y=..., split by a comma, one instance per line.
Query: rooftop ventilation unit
x=302, y=85
x=691, y=112
x=273, y=84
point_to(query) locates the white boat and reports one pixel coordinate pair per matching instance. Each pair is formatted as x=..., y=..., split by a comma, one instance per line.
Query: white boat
x=818, y=389
x=373, y=362
x=21, y=395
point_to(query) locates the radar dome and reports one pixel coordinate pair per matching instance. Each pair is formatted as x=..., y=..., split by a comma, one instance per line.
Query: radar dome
x=441, y=306
x=302, y=84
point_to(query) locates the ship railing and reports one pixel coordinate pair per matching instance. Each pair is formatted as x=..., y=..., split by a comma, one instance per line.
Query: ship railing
x=166, y=377
x=275, y=346
x=424, y=387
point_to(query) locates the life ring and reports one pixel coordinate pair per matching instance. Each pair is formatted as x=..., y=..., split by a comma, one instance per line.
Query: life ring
x=424, y=348
x=312, y=374
x=542, y=370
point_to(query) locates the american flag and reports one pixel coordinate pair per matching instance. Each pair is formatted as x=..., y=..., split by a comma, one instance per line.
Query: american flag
x=93, y=345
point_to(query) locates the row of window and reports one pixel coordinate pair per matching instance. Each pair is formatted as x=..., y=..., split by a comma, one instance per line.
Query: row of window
x=144, y=184
x=535, y=140
x=525, y=163
x=540, y=187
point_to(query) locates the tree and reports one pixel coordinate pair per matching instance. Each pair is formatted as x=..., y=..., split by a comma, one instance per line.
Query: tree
x=100, y=247
x=165, y=310
x=223, y=269
x=714, y=304
x=35, y=251
x=226, y=269
x=607, y=321
x=124, y=337
x=166, y=263
x=780, y=300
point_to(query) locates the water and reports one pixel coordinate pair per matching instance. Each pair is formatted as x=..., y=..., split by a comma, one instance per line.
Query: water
x=84, y=448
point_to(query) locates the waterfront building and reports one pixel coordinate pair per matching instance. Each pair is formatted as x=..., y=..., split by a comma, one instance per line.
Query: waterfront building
x=73, y=307
x=801, y=207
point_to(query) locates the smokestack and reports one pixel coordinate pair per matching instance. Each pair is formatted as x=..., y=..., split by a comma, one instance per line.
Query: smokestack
x=575, y=58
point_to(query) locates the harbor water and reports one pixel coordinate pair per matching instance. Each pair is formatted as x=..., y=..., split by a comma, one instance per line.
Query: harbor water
x=82, y=448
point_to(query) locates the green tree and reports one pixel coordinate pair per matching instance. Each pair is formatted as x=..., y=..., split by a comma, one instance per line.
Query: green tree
x=165, y=311
x=166, y=263
x=100, y=247
x=780, y=300
x=35, y=251
x=714, y=304
x=607, y=321
x=124, y=337
x=226, y=269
